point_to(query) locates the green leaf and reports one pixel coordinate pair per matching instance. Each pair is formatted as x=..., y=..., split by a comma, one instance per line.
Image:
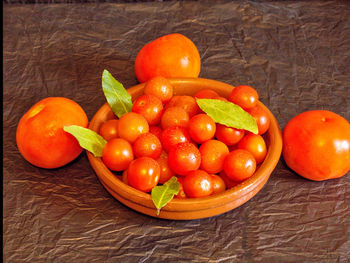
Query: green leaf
x=117, y=97
x=163, y=194
x=229, y=114
x=87, y=139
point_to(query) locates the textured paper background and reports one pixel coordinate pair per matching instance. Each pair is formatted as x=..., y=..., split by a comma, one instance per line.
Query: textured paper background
x=296, y=54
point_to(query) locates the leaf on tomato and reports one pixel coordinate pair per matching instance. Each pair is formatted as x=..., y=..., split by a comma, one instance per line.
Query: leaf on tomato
x=117, y=97
x=163, y=194
x=88, y=139
x=229, y=114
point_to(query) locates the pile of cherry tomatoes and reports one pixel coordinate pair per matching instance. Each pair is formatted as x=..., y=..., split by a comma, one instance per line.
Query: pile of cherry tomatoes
x=168, y=135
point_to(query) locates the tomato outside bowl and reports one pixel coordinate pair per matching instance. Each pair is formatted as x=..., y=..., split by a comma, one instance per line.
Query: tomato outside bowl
x=189, y=208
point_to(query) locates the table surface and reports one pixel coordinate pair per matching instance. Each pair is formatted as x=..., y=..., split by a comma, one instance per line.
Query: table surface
x=296, y=54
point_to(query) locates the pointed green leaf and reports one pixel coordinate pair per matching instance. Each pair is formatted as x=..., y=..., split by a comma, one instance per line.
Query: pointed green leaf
x=229, y=114
x=161, y=195
x=117, y=97
x=88, y=139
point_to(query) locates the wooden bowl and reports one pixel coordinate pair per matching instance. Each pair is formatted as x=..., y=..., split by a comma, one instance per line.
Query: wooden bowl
x=190, y=208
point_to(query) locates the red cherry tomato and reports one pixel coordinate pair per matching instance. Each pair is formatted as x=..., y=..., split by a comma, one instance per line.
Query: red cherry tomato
x=218, y=184
x=143, y=174
x=131, y=125
x=229, y=183
x=239, y=165
x=206, y=94
x=256, y=145
x=172, y=136
x=174, y=116
x=150, y=107
x=159, y=87
x=201, y=128
x=244, y=96
x=184, y=158
x=261, y=117
x=109, y=129
x=147, y=145
x=157, y=131
x=228, y=135
x=117, y=154
x=188, y=103
x=213, y=154
x=165, y=172
x=198, y=184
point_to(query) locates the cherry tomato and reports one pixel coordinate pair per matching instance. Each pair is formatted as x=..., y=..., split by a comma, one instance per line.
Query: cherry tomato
x=228, y=135
x=255, y=144
x=117, y=154
x=174, y=116
x=159, y=87
x=165, y=172
x=239, y=165
x=131, y=125
x=188, y=103
x=184, y=158
x=213, y=154
x=143, y=174
x=181, y=194
x=316, y=145
x=220, y=98
x=109, y=129
x=206, y=94
x=261, y=117
x=125, y=177
x=198, y=183
x=201, y=128
x=229, y=183
x=244, y=96
x=218, y=184
x=147, y=145
x=157, y=131
x=172, y=136
x=150, y=107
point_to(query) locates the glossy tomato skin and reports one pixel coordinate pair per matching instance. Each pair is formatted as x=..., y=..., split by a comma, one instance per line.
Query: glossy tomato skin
x=255, y=144
x=157, y=131
x=239, y=165
x=150, y=107
x=244, y=96
x=316, y=145
x=40, y=137
x=172, y=136
x=117, y=154
x=109, y=129
x=174, y=116
x=165, y=172
x=170, y=56
x=213, y=154
x=188, y=103
x=201, y=128
x=131, y=125
x=147, y=145
x=206, y=94
x=228, y=135
x=219, y=185
x=143, y=174
x=198, y=183
x=159, y=87
x=184, y=158
x=261, y=117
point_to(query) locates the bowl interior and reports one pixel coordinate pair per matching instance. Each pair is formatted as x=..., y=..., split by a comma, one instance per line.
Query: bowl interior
x=190, y=208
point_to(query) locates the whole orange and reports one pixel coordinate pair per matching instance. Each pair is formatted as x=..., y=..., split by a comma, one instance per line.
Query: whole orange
x=316, y=145
x=40, y=136
x=169, y=56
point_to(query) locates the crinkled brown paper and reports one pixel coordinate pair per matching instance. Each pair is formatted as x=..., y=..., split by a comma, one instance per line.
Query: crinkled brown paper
x=296, y=54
